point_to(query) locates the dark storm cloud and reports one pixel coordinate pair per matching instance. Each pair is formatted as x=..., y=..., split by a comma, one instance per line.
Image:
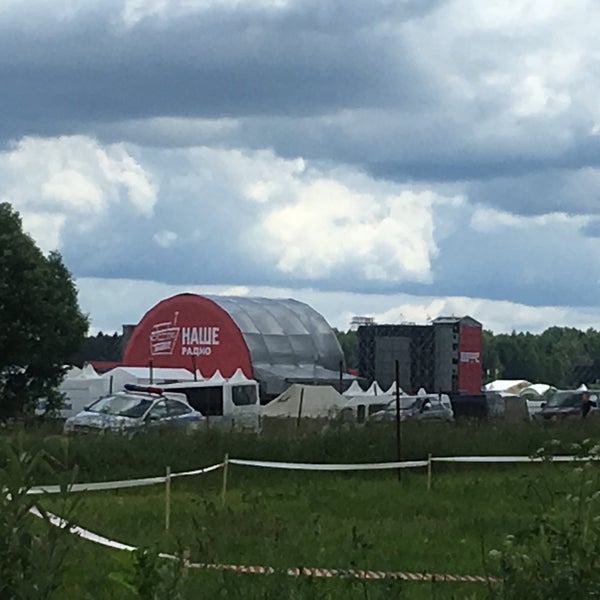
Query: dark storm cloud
x=420, y=96
x=592, y=229
x=575, y=192
x=309, y=59
x=397, y=88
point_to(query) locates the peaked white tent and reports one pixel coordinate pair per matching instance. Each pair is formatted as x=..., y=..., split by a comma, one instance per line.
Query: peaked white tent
x=362, y=404
x=238, y=377
x=354, y=390
x=375, y=390
x=217, y=378
x=309, y=401
x=119, y=376
x=392, y=390
x=81, y=387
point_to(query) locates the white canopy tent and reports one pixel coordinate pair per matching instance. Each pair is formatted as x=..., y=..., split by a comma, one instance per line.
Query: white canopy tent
x=392, y=390
x=511, y=386
x=81, y=387
x=119, y=376
x=354, y=390
x=310, y=401
x=375, y=390
x=360, y=404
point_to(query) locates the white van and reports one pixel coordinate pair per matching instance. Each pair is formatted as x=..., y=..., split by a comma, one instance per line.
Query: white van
x=229, y=404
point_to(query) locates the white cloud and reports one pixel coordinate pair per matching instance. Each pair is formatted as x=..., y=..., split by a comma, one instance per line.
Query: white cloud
x=135, y=10
x=73, y=191
x=173, y=131
x=70, y=181
x=112, y=303
x=525, y=69
x=497, y=315
x=165, y=238
x=44, y=228
x=328, y=225
x=489, y=219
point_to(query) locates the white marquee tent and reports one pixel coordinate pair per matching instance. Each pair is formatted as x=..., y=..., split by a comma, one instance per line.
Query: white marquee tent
x=116, y=378
x=309, y=401
x=81, y=387
x=363, y=403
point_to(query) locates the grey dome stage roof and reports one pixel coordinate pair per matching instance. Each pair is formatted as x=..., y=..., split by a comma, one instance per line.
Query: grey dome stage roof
x=288, y=340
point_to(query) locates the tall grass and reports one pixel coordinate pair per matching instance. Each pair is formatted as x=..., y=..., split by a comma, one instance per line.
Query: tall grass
x=343, y=521
x=283, y=519
x=101, y=457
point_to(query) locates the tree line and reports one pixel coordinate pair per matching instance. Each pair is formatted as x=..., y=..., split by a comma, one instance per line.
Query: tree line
x=560, y=356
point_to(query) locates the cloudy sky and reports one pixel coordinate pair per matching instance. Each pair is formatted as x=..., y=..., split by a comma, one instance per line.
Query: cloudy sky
x=401, y=159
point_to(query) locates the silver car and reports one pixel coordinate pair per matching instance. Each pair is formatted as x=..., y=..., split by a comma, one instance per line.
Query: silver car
x=423, y=408
x=135, y=409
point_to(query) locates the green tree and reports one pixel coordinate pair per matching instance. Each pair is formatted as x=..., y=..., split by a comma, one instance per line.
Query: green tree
x=490, y=360
x=103, y=346
x=349, y=343
x=42, y=325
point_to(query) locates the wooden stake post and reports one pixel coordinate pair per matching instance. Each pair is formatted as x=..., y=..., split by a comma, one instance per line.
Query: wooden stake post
x=225, y=470
x=429, y=472
x=168, y=499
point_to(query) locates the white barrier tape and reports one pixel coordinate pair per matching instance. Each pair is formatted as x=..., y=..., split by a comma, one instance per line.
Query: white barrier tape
x=264, y=570
x=197, y=471
x=116, y=485
x=510, y=459
x=129, y=483
x=81, y=532
x=328, y=467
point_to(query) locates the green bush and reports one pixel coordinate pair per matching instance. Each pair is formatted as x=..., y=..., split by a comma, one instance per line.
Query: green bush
x=33, y=552
x=558, y=554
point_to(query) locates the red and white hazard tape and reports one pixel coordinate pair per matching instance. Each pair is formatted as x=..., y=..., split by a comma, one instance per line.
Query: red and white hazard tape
x=346, y=573
x=263, y=570
x=511, y=459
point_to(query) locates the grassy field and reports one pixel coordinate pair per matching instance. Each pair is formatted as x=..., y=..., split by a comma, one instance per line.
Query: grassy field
x=362, y=520
x=114, y=456
x=341, y=521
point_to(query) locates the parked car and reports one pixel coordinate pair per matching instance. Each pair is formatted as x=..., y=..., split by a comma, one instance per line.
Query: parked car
x=422, y=408
x=137, y=408
x=569, y=403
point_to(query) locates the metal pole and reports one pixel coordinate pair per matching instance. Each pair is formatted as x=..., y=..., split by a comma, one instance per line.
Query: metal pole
x=300, y=408
x=225, y=470
x=150, y=365
x=398, y=427
x=194, y=367
x=168, y=499
x=341, y=376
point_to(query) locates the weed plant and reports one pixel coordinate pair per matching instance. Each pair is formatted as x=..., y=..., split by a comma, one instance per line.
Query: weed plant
x=114, y=456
